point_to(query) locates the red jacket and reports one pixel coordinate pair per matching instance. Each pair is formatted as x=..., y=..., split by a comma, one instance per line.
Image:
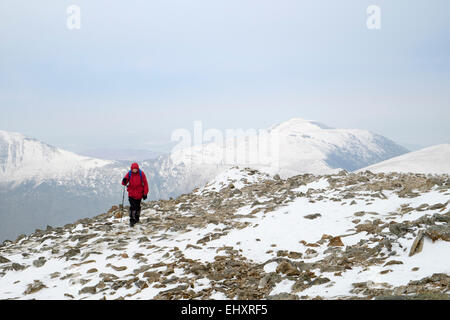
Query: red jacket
x=136, y=188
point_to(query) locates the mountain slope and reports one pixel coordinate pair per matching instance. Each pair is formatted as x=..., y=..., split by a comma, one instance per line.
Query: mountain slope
x=246, y=235
x=434, y=159
x=293, y=147
x=346, y=149
x=23, y=158
x=42, y=185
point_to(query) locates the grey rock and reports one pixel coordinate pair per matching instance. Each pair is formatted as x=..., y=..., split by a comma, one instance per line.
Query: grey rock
x=143, y=239
x=399, y=229
x=88, y=290
x=17, y=267
x=439, y=232
x=71, y=253
x=39, y=262
x=437, y=206
x=312, y=216
x=3, y=260
x=417, y=244
x=283, y=296
x=35, y=287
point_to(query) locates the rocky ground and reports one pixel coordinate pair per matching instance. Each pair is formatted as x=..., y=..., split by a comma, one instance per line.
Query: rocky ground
x=247, y=235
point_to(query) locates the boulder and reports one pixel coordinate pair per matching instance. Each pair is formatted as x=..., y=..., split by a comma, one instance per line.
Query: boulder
x=335, y=242
x=438, y=232
x=417, y=244
x=287, y=269
x=312, y=216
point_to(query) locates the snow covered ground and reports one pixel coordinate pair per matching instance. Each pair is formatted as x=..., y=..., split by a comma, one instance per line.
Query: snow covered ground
x=433, y=160
x=193, y=247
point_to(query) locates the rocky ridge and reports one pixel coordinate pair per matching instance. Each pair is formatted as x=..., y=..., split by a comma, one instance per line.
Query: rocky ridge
x=252, y=236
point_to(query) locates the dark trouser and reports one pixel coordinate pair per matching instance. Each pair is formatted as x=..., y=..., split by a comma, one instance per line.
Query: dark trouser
x=135, y=210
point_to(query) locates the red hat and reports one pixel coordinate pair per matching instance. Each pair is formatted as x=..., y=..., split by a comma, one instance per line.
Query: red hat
x=134, y=166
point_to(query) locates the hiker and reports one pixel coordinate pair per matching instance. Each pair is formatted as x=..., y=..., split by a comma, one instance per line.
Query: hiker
x=137, y=190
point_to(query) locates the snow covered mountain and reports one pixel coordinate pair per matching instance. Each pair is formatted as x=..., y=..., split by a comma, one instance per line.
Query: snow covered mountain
x=43, y=185
x=311, y=147
x=434, y=159
x=25, y=159
x=293, y=147
x=248, y=235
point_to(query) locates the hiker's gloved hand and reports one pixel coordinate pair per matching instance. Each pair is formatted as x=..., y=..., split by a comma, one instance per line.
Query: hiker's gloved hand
x=124, y=181
x=144, y=197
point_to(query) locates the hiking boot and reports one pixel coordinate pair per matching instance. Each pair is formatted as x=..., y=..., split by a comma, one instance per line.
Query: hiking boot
x=132, y=223
x=137, y=215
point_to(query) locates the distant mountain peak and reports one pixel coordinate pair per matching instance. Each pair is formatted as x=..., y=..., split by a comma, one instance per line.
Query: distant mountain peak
x=23, y=158
x=296, y=146
x=299, y=124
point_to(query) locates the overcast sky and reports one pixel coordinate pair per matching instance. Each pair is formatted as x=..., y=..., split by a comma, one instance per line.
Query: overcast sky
x=137, y=70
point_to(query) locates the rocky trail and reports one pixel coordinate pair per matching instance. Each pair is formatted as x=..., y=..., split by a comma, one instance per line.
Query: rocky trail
x=247, y=235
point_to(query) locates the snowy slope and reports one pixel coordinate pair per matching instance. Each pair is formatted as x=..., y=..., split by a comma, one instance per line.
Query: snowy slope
x=43, y=185
x=332, y=237
x=434, y=159
x=239, y=178
x=23, y=158
x=293, y=147
x=34, y=174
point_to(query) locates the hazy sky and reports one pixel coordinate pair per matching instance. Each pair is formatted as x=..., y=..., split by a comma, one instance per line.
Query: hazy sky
x=137, y=70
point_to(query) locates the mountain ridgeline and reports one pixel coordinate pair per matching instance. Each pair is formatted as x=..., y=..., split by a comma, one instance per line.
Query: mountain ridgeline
x=43, y=185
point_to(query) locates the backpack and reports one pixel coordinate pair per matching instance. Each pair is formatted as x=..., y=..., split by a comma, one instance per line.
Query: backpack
x=129, y=177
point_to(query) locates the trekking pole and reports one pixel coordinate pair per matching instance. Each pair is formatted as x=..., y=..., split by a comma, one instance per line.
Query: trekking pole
x=123, y=199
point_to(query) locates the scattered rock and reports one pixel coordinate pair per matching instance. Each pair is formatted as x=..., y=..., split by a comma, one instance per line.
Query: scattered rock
x=283, y=296
x=437, y=206
x=312, y=216
x=319, y=281
x=17, y=267
x=4, y=260
x=152, y=276
x=417, y=244
x=71, y=253
x=438, y=232
x=399, y=229
x=143, y=239
x=168, y=271
x=39, y=262
x=287, y=268
x=336, y=242
x=34, y=287
x=122, y=268
x=392, y=262
x=88, y=290
x=367, y=227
